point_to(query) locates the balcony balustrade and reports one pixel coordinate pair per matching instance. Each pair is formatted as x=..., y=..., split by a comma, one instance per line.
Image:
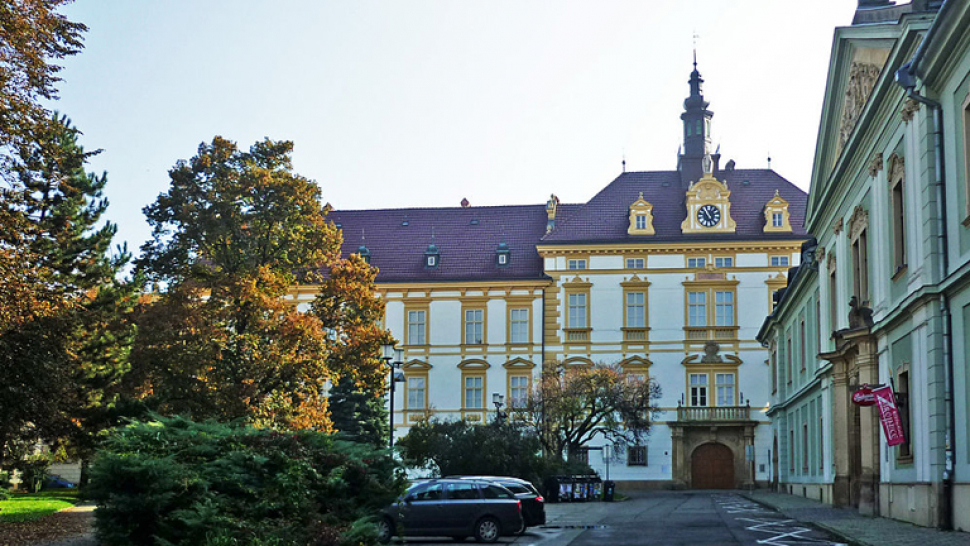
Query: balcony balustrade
x=714, y=414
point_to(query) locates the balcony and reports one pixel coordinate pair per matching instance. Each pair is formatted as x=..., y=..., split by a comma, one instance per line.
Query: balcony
x=717, y=414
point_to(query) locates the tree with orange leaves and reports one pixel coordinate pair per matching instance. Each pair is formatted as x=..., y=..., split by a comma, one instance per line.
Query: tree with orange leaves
x=233, y=235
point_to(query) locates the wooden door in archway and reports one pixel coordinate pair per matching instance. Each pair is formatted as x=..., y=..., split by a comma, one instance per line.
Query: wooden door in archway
x=712, y=467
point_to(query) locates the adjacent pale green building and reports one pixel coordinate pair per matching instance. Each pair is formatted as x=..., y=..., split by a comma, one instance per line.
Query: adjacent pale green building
x=881, y=295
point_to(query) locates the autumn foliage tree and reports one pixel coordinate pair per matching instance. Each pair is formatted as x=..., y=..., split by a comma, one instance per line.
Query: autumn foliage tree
x=571, y=405
x=233, y=236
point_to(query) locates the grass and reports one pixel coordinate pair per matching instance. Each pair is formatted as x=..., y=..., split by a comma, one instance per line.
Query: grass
x=32, y=506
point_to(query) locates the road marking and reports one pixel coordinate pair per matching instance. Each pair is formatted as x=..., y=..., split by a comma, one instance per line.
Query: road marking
x=784, y=532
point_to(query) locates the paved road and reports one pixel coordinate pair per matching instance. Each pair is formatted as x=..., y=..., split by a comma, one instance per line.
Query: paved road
x=666, y=518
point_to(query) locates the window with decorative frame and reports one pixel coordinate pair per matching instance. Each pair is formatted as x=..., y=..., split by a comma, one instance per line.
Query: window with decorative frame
x=802, y=340
x=897, y=191
x=416, y=332
x=904, y=451
x=474, y=386
x=577, y=308
x=417, y=392
x=859, y=240
x=636, y=263
x=696, y=262
x=519, y=386
x=474, y=325
x=833, y=290
x=576, y=264
x=519, y=326
x=713, y=385
x=635, y=309
x=723, y=261
x=711, y=308
x=474, y=391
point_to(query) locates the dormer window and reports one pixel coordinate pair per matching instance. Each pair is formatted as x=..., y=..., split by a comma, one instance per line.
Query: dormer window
x=364, y=253
x=502, y=255
x=776, y=215
x=641, y=217
x=432, y=256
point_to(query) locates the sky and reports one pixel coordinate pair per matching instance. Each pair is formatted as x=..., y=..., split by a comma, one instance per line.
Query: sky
x=411, y=103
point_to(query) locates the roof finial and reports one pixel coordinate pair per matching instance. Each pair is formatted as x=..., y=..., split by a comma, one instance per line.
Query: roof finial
x=624, y=161
x=696, y=36
x=769, y=159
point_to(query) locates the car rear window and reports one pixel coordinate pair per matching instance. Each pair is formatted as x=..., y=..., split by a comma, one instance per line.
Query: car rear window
x=495, y=492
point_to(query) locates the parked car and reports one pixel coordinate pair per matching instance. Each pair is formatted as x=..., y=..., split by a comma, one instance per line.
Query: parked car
x=533, y=505
x=454, y=508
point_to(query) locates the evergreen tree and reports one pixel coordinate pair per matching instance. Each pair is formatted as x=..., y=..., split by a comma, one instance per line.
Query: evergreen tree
x=358, y=415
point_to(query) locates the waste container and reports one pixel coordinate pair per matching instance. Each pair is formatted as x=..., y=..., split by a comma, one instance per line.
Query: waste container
x=566, y=489
x=597, y=493
x=579, y=488
x=551, y=485
x=609, y=489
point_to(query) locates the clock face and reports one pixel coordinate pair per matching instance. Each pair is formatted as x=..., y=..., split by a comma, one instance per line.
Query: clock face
x=708, y=215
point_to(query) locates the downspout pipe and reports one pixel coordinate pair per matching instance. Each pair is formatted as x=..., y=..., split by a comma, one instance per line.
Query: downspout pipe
x=906, y=78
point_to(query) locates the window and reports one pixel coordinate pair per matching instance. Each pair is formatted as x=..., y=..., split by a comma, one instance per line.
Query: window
x=462, y=490
x=696, y=262
x=774, y=371
x=636, y=456
x=635, y=263
x=860, y=267
x=416, y=393
x=898, y=218
x=801, y=344
x=576, y=264
x=577, y=311
x=503, y=259
x=518, y=390
x=474, y=392
x=519, y=325
x=635, y=310
x=777, y=219
x=789, y=357
x=821, y=445
x=833, y=297
x=697, y=309
x=966, y=152
x=724, y=308
x=432, y=261
x=641, y=221
x=805, y=448
x=905, y=452
x=474, y=326
x=723, y=261
x=791, y=450
x=417, y=328
x=779, y=261
x=430, y=492
x=724, y=383
x=698, y=389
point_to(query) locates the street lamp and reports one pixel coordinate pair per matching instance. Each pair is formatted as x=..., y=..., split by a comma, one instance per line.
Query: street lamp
x=394, y=359
x=497, y=399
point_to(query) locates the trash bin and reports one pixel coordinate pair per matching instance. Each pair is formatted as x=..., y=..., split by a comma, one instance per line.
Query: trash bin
x=609, y=489
x=551, y=485
x=565, y=489
x=580, y=484
x=597, y=493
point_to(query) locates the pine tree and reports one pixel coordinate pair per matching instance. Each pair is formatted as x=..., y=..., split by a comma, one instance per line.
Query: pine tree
x=358, y=415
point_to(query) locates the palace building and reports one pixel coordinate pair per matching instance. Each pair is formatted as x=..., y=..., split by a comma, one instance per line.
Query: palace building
x=668, y=273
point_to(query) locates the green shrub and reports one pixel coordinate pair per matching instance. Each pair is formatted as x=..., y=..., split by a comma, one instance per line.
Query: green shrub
x=176, y=482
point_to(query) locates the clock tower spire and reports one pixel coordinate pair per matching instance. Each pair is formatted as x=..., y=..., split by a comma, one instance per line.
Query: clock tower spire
x=697, y=132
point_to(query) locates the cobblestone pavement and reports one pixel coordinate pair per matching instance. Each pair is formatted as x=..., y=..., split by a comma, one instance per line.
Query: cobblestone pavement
x=854, y=528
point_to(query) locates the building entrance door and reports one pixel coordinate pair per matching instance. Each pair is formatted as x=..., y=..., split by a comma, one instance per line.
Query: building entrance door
x=712, y=467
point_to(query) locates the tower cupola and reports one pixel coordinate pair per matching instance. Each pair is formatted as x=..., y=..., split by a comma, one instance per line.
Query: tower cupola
x=697, y=131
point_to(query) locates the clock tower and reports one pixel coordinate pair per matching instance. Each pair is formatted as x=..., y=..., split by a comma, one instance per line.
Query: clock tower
x=708, y=207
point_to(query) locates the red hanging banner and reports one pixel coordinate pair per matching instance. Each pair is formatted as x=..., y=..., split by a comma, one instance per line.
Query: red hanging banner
x=892, y=426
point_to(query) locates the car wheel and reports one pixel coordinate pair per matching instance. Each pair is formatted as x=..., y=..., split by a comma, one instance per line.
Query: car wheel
x=487, y=530
x=385, y=529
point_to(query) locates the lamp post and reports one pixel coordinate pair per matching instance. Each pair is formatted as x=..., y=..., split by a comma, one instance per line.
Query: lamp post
x=394, y=359
x=497, y=400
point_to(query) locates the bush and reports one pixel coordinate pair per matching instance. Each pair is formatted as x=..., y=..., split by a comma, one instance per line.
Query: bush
x=176, y=482
x=459, y=447
x=34, y=471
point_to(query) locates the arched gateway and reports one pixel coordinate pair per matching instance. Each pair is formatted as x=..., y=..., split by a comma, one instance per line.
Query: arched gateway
x=712, y=467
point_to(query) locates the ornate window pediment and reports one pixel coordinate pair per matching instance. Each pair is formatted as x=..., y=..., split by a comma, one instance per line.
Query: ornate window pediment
x=474, y=364
x=641, y=217
x=776, y=215
x=519, y=364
